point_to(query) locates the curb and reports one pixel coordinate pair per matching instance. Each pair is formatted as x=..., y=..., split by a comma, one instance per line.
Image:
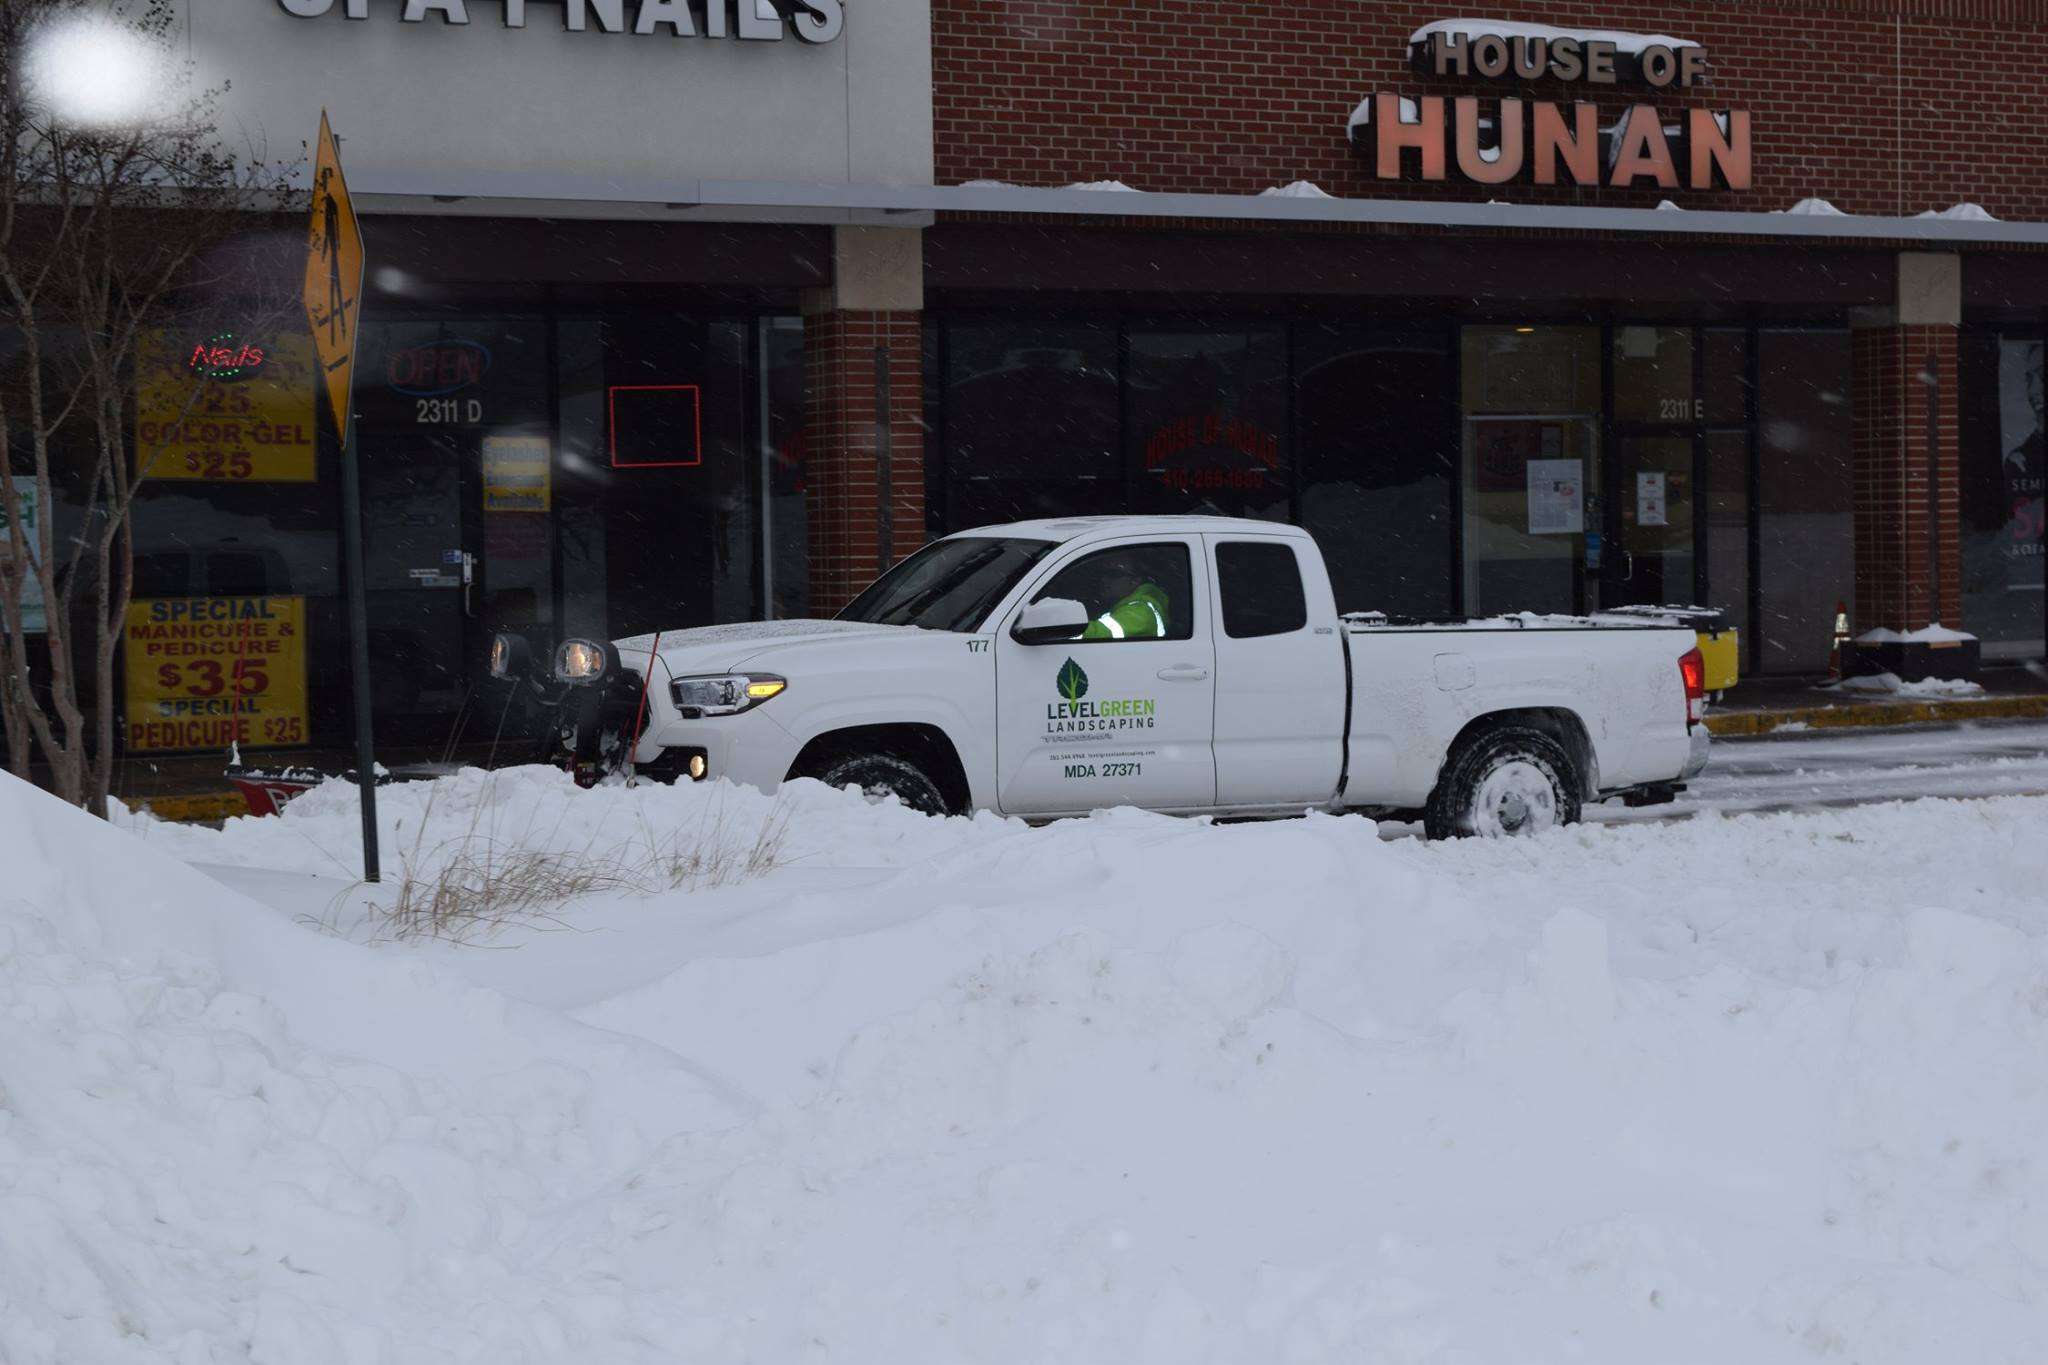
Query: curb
x=1832, y=716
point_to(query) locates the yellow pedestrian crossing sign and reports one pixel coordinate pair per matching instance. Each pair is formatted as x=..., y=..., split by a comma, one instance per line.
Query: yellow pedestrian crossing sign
x=334, y=276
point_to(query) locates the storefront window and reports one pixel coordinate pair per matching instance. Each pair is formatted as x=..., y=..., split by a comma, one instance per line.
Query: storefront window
x=1725, y=400
x=2002, y=469
x=235, y=523
x=1376, y=429
x=785, y=564
x=1207, y=421
x=1531, y=465
x=1806, y=500
x=1653, y=375
x=660, y=466
x=1030, y=421
x=1727, y=494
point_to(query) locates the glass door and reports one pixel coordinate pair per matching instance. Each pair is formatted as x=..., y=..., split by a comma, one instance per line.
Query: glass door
x=1653, y=495
x=1657, y=417
x=420, y=570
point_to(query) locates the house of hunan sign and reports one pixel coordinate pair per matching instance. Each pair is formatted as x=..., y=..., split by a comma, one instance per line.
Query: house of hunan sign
x=1510, y=138
x=814, y=21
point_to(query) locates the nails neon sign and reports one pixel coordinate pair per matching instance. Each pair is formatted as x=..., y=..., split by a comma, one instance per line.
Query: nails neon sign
x=224, y=356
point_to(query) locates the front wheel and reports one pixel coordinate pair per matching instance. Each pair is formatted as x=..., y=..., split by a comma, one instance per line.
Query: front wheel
x=1505, y=782
x=882, y=775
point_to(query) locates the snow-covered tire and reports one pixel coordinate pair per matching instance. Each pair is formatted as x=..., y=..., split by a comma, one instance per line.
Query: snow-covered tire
x=1504, y=782
x=884, y=774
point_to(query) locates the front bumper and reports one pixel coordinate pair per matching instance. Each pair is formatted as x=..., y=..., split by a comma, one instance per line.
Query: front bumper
x=749, y=748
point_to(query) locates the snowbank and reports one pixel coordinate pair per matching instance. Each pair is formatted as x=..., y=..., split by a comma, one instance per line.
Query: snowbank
x=1119, y=1089
x=1936, y=634
x=1295, y=189
x=1892, y=685
x=1965, y=212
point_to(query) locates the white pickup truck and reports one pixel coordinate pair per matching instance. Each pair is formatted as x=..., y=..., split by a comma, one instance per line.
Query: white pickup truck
x=1187, y=664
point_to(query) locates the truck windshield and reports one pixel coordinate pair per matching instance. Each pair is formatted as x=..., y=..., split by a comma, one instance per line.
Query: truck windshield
x=948, y=585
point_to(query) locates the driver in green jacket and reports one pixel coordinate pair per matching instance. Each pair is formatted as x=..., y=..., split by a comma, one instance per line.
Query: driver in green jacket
x=1141, y=611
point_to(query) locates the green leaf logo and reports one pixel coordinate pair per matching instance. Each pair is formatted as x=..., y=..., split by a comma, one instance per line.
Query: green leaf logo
x=1072, y=682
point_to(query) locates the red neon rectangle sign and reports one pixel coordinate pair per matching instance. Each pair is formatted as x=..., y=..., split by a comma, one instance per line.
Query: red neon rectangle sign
x=656, y=408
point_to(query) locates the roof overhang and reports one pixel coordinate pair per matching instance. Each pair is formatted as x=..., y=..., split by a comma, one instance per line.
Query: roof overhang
x=918, y=205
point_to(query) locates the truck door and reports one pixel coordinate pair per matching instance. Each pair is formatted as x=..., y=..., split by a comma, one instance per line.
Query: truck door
x=1279, y=676
x=1124, y=714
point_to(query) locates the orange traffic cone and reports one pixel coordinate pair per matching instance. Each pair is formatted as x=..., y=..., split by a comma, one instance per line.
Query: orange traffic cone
x=1841, y=639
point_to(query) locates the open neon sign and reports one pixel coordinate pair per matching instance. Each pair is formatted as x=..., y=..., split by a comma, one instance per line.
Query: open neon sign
x=224, y=356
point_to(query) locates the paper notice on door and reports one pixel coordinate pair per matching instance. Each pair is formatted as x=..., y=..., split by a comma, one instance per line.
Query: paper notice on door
x=1557, y=503
x=1650, y=505
x=517, y=474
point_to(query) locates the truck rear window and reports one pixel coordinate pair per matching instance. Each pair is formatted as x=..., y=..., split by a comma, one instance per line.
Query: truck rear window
x=1261, y=587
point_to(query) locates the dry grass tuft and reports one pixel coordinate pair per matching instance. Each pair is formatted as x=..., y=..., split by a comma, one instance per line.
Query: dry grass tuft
x=466, y=889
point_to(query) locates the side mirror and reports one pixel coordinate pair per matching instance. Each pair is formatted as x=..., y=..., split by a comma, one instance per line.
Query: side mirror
x=511, y=656
x=1050, y=621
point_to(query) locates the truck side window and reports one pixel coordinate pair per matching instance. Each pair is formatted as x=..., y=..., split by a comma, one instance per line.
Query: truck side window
x=1132, y=592
x=1261, y=587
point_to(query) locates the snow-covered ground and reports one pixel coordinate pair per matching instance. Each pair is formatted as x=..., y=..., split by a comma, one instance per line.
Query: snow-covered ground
x=1791, y=771
x=1757, y=1088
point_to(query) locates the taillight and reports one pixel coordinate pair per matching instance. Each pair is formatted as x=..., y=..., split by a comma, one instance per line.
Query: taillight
x=1692, y=667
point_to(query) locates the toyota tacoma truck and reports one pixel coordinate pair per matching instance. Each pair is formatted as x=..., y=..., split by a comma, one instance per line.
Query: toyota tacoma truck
x=1183, y=664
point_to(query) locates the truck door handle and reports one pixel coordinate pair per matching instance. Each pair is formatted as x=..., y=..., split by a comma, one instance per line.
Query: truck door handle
x=1183, y=673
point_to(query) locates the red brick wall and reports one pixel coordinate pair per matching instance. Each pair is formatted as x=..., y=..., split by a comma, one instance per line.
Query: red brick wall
x=1891, y=371
x=1232, y=96
x=845, y=512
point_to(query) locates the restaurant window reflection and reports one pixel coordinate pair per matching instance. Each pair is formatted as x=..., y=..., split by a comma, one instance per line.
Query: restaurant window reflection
x=1532, y=400
x=1805, y=499
x=2002, y=474
x=1208, y=415
x=1030, y=421
x=1376, y=431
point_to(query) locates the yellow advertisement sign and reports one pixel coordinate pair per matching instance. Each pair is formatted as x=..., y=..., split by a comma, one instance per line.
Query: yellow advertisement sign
x=208, y=672
x=517, y=477
x=223, y=407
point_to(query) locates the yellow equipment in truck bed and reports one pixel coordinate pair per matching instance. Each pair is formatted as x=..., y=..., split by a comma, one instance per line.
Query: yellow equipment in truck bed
x=1723, y=655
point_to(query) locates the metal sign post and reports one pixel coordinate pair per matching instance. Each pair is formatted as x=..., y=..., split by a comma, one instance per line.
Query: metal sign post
x=334, y=304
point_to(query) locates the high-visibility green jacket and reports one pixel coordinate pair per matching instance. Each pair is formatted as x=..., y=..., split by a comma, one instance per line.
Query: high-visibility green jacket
x=1140, y=616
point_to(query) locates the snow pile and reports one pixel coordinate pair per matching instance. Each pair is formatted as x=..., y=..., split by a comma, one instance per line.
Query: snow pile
x=424, y=827
x=1127, y=1088
x=1965, y=212
x=1813, y=208
x=1892, y=685
x=1295, y=189
x=1113, y=185
x=1935, y=634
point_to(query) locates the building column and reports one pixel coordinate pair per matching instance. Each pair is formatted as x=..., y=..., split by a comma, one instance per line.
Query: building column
x=1908, y=560
x=864, y=411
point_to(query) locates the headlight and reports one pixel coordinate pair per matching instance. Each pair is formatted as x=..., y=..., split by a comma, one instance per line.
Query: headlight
x=579, y=661
x=510, y=656
x=724, y=695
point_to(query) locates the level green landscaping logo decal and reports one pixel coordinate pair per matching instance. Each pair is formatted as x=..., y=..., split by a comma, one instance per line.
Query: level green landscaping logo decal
x=1072, y=682
x=1072, y=716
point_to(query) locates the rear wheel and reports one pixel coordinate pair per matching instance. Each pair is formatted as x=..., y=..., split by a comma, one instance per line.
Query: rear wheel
x=882, y=775
x=1504, y=782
